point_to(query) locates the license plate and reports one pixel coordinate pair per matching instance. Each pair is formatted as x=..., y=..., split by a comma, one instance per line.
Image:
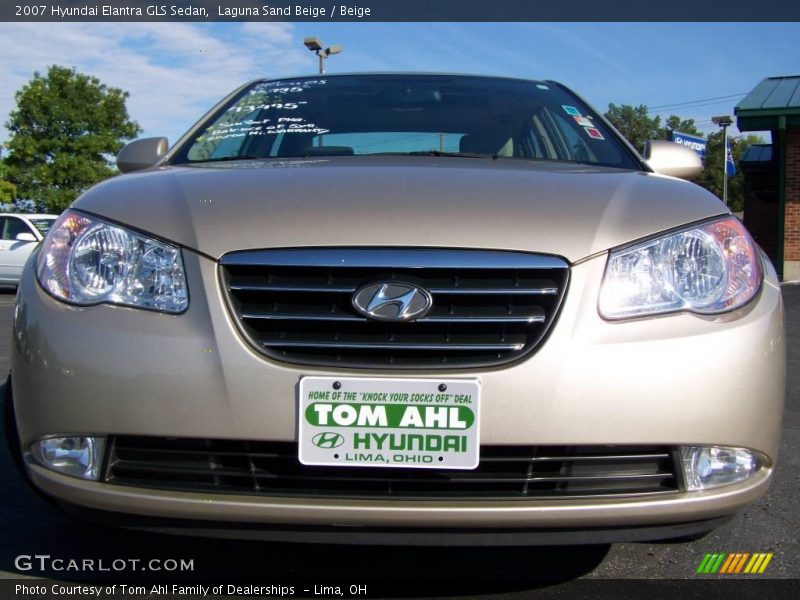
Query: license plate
x=377, y=422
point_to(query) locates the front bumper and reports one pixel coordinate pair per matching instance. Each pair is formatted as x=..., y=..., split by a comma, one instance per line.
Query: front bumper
x=394, y=536
x=674, y=380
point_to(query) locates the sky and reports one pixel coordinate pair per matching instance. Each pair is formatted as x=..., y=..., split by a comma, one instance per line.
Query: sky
x=175, y=72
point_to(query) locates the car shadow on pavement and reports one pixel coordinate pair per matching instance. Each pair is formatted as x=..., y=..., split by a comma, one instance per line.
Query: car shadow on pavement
x=32, y=527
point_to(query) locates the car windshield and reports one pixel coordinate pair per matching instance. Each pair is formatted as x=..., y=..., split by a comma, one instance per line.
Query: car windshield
x=43, y=225
x=434, y=115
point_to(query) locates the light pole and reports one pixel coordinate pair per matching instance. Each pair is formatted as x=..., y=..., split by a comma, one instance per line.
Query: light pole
x=724, y=121
x=315, y=45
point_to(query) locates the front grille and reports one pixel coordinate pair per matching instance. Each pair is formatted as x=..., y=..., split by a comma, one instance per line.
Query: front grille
x=488, y=308
x=504, y=472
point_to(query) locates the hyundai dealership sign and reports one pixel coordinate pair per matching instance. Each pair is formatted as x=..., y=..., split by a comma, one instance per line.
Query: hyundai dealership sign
x=698, y=144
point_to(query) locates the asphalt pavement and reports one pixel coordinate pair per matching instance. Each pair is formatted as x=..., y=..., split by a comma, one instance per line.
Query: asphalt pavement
x=30, y=526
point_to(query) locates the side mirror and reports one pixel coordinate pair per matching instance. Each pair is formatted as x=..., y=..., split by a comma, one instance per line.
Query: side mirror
x=26, y=237
x=141, y=154
x=675, y=160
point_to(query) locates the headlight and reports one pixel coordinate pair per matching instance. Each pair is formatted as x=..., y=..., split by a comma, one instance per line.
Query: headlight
x=709, y=268
x=87, y=261
x=710, y=466
x=76, y=456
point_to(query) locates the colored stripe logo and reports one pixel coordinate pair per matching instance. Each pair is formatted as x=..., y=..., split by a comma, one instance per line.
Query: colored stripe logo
x=734, y=563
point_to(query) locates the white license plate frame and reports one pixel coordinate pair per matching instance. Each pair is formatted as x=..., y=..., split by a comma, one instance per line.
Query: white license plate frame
x=431, y=423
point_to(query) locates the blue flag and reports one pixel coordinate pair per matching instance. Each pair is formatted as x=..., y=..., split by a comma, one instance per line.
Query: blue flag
x=730, y=166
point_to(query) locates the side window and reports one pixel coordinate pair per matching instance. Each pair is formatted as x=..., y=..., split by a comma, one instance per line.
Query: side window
x=12, y=227
x=545, y=139
x=539, y=140
x=578, y=148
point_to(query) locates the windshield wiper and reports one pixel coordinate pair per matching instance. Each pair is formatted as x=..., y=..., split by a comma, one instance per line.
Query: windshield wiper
x=453, y=154
x=224, y=158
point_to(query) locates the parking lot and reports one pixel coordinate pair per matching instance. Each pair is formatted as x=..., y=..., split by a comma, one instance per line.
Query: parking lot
x=771, y=525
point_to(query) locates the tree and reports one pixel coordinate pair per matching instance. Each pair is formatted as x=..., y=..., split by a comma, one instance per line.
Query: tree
x=675, y=123
x=635, y=124
x=65, y=127
x=7, y=189
x=711, y=178
x=638, y=126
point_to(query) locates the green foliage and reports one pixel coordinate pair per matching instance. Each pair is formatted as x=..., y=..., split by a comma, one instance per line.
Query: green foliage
x=711, y=178
x=7, y=189
x=637, y=126
x=675, y=123
x=63, y=130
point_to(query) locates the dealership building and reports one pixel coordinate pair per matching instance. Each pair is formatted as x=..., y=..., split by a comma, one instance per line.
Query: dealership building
x=772, y=171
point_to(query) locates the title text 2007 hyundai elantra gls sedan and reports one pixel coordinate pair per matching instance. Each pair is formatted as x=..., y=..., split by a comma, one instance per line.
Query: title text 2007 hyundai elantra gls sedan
x=405, y=309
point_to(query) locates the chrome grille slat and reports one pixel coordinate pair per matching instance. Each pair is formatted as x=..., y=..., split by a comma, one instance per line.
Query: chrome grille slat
x=457, y=291
x=412, y=258
x=305, y=289
x=528, y=319
x=394, y=346
x=275, y=316
x=577, y=458
x=272, y=469
x=489, y=307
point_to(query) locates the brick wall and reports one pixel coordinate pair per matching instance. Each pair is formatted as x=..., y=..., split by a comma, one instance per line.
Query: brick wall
x=761, y=209
x=791, y=244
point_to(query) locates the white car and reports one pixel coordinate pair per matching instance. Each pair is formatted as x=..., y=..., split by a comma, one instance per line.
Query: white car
x=19, y=235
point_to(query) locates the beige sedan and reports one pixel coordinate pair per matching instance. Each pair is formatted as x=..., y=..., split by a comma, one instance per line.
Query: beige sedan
x=404, y=309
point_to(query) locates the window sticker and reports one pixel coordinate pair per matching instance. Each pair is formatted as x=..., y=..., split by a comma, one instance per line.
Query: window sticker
x=263, y=127
x=594, y=133
x=248, y=108
x=285, y=87
x=571, y=110
x=583, y=122
x=269, y=108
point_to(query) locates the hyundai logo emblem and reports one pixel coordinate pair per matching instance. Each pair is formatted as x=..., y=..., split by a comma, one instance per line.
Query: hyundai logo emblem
x=327, y=440
x=392, y=301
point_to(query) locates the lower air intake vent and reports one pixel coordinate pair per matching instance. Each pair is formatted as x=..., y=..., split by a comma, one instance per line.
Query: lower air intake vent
x=272, y=469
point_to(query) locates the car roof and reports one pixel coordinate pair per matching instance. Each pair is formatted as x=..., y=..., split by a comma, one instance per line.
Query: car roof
x=29, y=215
x=405, y=73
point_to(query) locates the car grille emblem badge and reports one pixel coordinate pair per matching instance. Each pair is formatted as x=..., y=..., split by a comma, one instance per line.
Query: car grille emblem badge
x=327, y=440
x=392, y=301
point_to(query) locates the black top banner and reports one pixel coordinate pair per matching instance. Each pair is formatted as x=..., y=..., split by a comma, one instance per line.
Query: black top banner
x=400, y=10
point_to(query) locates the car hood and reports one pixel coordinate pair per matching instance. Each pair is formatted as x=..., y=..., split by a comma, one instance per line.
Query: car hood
x=564, y=209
